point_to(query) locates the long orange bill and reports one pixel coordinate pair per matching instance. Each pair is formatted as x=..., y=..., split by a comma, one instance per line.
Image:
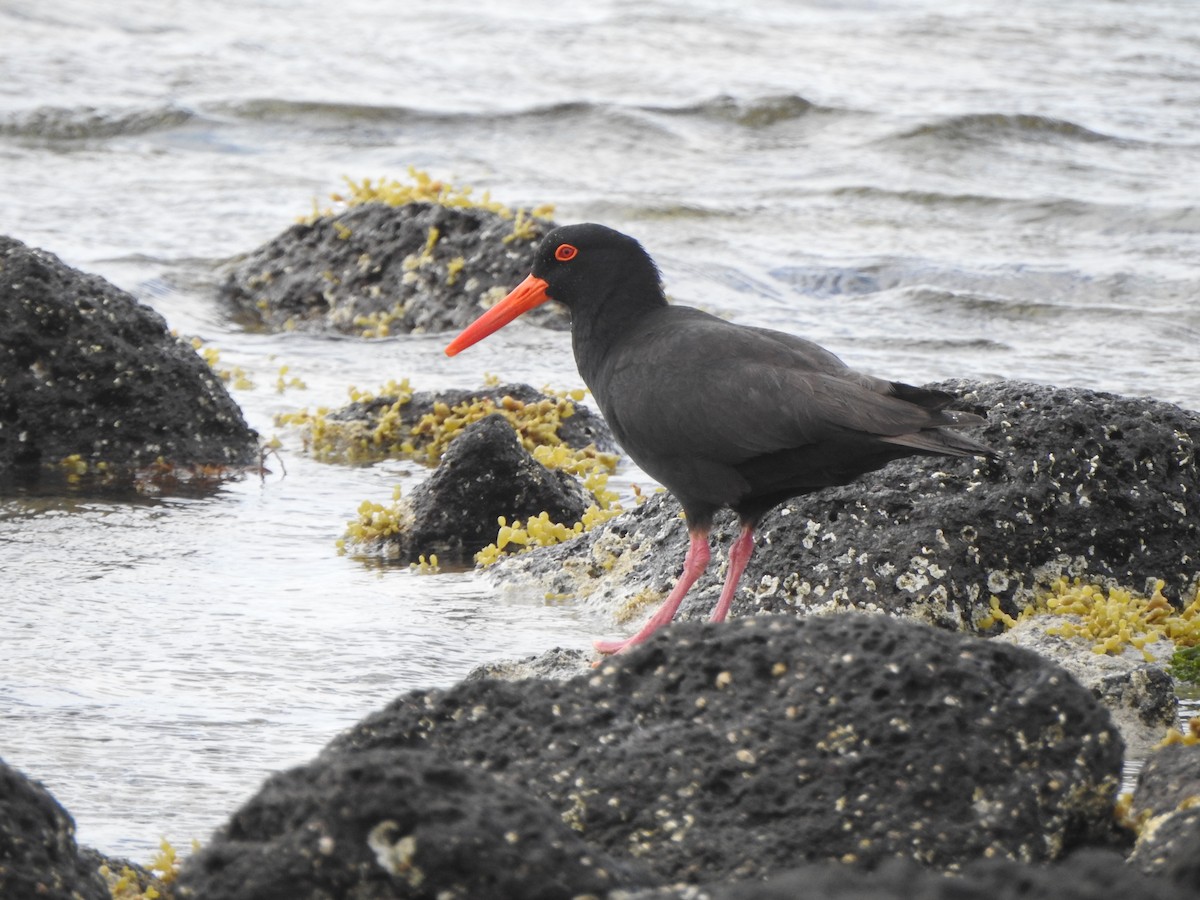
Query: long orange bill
x=525, y=296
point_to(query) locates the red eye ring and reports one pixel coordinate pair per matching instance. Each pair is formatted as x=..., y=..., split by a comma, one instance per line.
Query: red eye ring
x=565, y=252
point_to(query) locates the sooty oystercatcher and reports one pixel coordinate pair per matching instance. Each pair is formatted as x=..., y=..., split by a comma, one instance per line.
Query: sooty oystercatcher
x=720, y=414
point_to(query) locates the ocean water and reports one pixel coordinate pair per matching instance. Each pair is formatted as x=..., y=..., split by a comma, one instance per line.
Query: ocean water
x=930, y=189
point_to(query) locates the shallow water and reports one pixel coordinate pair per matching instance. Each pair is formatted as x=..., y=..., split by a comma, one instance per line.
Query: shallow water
x=929, y=189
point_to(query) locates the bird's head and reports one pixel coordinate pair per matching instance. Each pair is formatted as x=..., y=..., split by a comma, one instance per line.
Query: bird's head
x=575, y=264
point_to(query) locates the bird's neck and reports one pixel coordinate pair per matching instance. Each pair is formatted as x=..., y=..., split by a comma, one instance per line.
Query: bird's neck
x=599, y=326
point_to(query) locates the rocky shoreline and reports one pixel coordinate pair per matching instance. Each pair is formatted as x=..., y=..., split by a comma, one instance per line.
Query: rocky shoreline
x=865, y=726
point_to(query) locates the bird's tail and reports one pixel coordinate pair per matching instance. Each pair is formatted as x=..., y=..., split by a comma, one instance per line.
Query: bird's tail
x=943, y=441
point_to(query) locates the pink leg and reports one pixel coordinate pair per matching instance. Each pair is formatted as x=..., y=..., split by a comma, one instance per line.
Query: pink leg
x=739, y=555
x=693, y=566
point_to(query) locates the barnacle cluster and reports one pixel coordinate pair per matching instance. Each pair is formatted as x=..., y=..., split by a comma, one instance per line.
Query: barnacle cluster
x=1110, y=618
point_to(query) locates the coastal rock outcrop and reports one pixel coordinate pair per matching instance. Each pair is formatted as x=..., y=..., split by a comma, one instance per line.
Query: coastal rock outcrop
x=396, y=824
x=1166, y=803
x=736, y=752
x=484, y=474
x=381, y=269
x=93, y=383
x=38, y=854
x=936, y=539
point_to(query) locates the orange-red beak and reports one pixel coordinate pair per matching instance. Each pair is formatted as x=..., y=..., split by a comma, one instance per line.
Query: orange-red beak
x=525, y=296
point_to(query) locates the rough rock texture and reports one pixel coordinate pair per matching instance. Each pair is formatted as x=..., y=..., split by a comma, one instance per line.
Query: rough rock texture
x=485, y=473
x=1140, y=695
x=559, y=664
x=585, y=427
x=934, y=538
x=1168, y=798
x=38, y=854
x=371, y=261
x=740, y=750
x=1087, y=875
x=85, y=369
x=395, y=824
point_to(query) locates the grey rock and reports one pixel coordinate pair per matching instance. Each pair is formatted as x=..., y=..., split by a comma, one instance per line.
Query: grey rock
x=370, y=260
x=1166, y=802
x=1140, y=695
x=85, y=369
x=38, y=854
x=737, y=751
x=396, y=824
x=935, y=539
x=558, y=664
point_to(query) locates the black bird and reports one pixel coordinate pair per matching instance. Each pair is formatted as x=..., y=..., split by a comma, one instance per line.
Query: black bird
x=720, y=414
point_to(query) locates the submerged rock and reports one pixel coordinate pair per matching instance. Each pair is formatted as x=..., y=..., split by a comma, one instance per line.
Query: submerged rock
x=38, y=854
x=484, y=474
x=92, y=383
x=382, y=269
x=737, y=751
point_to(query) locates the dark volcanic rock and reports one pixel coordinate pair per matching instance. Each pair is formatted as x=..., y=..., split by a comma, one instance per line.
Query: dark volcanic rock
x=372, y=261
x=934, y=538
x=937, y=537
x=1167, y=801
x=38, y=854
x=484, y=474
x=559, y=664
x=740, y=750
x=85, y=369
x=1087, y=875
x=395, y=824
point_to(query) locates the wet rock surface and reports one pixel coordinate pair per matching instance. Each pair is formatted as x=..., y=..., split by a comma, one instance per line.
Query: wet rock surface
x=38, y=854
x=934, y=539
x=484, y=474
x=717, y=752
x=396, y=824
x=86, y=370
x=1167, y=803
x=374, y=264
x=1140, y=695
x=937, y=538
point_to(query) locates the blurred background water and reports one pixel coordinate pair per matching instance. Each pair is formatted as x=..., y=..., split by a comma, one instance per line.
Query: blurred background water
x=930, y=189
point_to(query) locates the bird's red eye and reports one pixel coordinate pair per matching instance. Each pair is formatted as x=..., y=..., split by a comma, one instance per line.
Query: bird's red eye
x=565, y=252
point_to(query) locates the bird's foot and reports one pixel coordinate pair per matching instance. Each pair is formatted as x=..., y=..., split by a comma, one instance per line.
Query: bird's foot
x=608, y=648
